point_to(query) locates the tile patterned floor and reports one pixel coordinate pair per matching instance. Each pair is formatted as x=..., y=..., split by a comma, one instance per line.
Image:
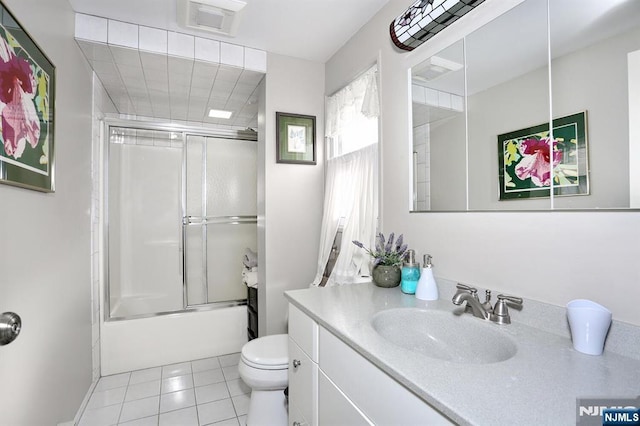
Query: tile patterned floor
x=196, y=393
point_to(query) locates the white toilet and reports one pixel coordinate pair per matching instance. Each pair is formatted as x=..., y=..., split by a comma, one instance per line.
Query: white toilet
x=263, y=367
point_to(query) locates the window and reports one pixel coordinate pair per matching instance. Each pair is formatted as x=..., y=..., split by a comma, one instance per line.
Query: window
x=351, y=183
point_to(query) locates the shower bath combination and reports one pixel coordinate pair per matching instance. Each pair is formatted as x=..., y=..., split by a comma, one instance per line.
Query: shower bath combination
x=179, y=212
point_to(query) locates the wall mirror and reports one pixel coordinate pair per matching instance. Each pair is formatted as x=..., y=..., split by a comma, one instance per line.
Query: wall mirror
x=497, y=126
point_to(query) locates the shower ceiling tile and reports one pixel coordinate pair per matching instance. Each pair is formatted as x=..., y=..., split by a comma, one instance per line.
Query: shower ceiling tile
x=182, y=45
x=125, y=56
x=224, y=86
x=251, y=77
x=207, y=50
x=143, y=83
x=153, y=40
x=131, y=73
x=228, y=73
x=157, y=87
x=205, y=70
x=95, y=51
x=237, y=100
x=153, y=61
x=105, y=68
x=179, y=93
x=122, y=34
x=243, y=89
x=201, y=84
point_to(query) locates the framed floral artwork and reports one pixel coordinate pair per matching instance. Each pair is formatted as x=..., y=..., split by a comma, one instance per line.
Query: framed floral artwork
x=530, y=164
x=295, y=138
x=27, y=86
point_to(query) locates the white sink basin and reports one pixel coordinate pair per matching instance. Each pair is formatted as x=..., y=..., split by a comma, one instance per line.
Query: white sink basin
x=445, y=336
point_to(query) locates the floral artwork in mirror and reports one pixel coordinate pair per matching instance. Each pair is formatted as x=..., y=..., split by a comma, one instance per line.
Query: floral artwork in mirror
x=532, y=161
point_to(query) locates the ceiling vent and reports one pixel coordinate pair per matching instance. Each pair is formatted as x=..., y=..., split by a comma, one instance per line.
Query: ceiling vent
x=217, y=16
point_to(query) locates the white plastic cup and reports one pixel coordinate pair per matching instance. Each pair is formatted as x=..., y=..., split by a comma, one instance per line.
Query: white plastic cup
x=589, y=323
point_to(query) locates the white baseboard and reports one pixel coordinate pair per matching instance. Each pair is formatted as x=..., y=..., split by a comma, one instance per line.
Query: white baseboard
x=85, y=401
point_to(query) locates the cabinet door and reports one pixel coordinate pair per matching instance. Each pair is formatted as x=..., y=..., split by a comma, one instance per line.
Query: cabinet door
x=303, y=385
x=304, y=331
x=376, y=394
x=334, y=408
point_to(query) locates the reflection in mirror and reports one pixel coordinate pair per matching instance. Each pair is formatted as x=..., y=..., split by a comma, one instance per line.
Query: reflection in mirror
x=595, y=69
x=507, y=91
x=439, y=139
x=595, y=51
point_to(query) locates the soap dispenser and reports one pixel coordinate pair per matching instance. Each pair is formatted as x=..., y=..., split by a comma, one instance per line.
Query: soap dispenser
x=410, y=273
x=427, y=287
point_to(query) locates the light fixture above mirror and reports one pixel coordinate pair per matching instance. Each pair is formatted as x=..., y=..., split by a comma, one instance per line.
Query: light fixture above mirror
x=426, y=18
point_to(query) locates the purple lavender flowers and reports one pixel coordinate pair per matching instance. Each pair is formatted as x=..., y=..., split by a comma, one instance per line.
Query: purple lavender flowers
x=386, y=252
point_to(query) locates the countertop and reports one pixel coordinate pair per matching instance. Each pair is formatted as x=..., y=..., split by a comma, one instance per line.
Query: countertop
x=538, y=385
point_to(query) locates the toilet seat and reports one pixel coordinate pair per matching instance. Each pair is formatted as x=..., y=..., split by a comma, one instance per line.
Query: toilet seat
x=267, y=353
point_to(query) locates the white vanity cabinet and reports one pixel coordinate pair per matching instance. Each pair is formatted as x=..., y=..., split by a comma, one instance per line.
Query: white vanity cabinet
x=303, y=369
x=341, y=387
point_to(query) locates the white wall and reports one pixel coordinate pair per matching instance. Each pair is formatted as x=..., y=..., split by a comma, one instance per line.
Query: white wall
x=102, y=105
x=548, y=256
x=290, y=214
x=46, y=246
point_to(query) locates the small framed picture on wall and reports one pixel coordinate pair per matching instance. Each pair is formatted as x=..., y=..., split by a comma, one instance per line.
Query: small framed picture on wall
x=295, y=138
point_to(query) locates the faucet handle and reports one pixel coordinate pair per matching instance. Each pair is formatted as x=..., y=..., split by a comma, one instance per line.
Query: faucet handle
x=513, y=299
x=465, y=287
x=500, y=312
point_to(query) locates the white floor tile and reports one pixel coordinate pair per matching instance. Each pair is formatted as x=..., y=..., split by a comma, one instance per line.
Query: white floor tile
x=231, y=372
x=177, y=400
x=238, y=387
x=104, y=416
x=230, y=422
x=143, y=390
x=176, y=369
x=213, y=392
x=208, y=377
x=205, y=364
x=216, y=411
x=178, y=383
x=168, y=395
x=184, y=417
x=228, y=360
x=241, y=404
x=147, y=375
x=107, y=397
x=145, y=421
x=140, y=408
x=112, y=382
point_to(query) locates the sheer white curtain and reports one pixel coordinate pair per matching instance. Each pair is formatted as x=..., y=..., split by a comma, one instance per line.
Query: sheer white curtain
x=351, y=183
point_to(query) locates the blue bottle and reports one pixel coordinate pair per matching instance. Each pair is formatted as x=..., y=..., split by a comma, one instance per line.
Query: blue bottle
x=410, y=273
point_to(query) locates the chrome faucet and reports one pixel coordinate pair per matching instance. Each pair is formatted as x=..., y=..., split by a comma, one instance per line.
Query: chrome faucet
x=470, y=295
x=498, y=314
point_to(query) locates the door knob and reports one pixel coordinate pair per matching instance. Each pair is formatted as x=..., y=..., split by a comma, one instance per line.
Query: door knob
x=10, y=325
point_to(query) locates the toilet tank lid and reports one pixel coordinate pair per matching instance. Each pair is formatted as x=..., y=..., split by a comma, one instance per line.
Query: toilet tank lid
x=267, y=351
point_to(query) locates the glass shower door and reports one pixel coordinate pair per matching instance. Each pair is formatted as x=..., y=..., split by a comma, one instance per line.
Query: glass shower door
x=144, y=211
x=220, y=221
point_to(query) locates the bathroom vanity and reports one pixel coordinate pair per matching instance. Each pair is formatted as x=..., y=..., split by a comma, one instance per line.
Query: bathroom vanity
x=359, y=354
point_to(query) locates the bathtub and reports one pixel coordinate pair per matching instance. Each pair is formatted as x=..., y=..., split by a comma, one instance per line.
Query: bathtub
x=135, y=344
